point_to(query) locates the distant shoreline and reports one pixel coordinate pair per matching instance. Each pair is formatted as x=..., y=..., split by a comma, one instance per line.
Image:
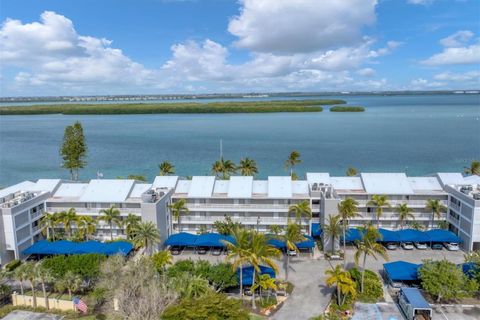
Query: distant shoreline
x=162, y=108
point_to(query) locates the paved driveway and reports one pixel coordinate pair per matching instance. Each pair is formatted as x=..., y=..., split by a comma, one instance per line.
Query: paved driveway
x=27, y=315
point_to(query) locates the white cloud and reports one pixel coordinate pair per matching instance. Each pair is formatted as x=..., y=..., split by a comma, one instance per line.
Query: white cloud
x=300, y=26
x=470, y=76
x=457, y=39
x=366, y=72
x=421, y=84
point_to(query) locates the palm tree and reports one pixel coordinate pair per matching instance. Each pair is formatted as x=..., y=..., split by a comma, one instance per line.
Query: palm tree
x=292, y=161
x=404, y=213
x=145, y=234
x=333, y=229
x=416, y=226
x=238, y=251
x=191, y=286
x=178, y=208
x=111, y=216
x=20, y=274
x=351, y=172
x=67, y=218
x=379, y=202
x=248, y=167
x=130, y=222
x=166, y=168
x=368, y=246
x=275, y=229
x=474, y=168
x=162, y=259
x=49, y=222
x=436, y=207
x=343, y=281
x=261, y=253
x=31, y=276
x=223, y=168
x=44, y=276
x=264, y=282
x=348, y=209
x=292, y=236
x=299, y=210
x=70, y=282
x=86, y=226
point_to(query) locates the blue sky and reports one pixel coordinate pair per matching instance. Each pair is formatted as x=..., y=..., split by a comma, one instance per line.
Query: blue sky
x=68, y=47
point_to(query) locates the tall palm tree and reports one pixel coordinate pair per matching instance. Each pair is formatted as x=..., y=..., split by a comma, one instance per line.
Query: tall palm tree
x=264, y=282
x=300, y=210
x=145, y=234
x=162, y=259
x=190, y=286
x=348, y=209
x=343, y=281
x=292, y=161
x=43, y=276
x=351, y=172
x=86, y=226
x=248, y=167
x=368, y=246
x=178, y=208
x=436, y=207
x=238, y=251
x=110, y=216
x=275, y=229
x=130, y=222
x=379, y=202
x=223, y=169
x=31, y=276
x=68, y=218
x=71, y=282
x=48, y=223
x=404, y=213
x=333, y=229
x=474, y=168
x=261, y=253
x=166, y=168
x=292, y=236
x=20, y=274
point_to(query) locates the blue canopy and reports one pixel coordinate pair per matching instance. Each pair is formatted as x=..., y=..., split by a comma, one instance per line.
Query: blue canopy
x=45, y=247
x=247, y=274
x=212, y=240
x=440, y=235
x=389, y=235
x=470, y=269
x=413, y=236
x=352, y=235
x=415, y=298
x=316, y=230
x=181, y=239
x=277, y=243
x=401, y=270
x=306, y=244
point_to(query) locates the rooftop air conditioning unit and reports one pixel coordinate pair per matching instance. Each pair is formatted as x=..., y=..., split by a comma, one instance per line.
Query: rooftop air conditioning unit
x=476, y=196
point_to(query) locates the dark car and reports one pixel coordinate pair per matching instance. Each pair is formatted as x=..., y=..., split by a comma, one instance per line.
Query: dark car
x=437, y=246
x=176, y=250
x=202, y=250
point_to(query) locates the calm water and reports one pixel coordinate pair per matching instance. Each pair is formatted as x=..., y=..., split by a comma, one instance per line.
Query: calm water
x=417, y=134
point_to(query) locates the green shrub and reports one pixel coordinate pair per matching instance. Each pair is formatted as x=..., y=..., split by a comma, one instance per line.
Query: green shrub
x=347, y=109
x=267, y=302
x=84, y=265
x=12, y=265
x=372, y=287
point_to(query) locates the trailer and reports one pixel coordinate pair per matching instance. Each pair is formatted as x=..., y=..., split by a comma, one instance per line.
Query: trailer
x=413, y=304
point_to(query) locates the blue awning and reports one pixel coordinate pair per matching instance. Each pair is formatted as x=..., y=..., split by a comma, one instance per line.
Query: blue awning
x=247, y=274
x=401, y=270
x=415, y=298
x=352, y=234
x=66, y=247
x=181, y=239
x=306, y=244
x=277, y=243
x=440, y=235
x=213, y=240
x=470, y=269
x=388, y=236
x=413, y=236
x=316, y=230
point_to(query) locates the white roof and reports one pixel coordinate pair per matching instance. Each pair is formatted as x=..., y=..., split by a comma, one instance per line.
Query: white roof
x=472, y=179
x=425, y=183
x=70, y=190
x=167, y=182
x=221, y=186
x=46, y=185
x=240, y=187
x=347, y=183
x=453, y=178
x=183, y=186
x=280, y=187
x=260, y=187
x=386, y=183
x=107, y=190
x=22, y=186
x=138, y=189
x=201, y=187
x=318, y=177
x=300, y=187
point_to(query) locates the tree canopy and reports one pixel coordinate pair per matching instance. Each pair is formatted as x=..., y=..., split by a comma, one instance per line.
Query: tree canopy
x=74, y=149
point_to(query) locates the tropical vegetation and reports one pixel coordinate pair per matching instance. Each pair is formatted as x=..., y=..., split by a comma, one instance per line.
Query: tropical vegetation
x=223, y=169
x=247, y=167
x=474, y=168
x=379, y=202
x=348, y=209
x=347, y=109
x=74, y=150
x=292, y=160
x=333, y=229
x=404, y=213
x=178, y=208
x=166, y=168
x=436, y=207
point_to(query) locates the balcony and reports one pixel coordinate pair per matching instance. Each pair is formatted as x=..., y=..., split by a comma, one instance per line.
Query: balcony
x=37, y=214
x=243, y=220
x=237, y=207
x=410, y=203
x=94, y=211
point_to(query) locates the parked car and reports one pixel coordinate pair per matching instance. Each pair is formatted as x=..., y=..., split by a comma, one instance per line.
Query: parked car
x=420, y=245
x=216, y=251
x=202, y=250
x=391, y=246
x=292, y=253
x=176, y=250
x=437, y=246
x=451, y=246
x=407, y=245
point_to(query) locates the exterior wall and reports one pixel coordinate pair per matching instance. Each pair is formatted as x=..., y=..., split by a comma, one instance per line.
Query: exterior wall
x=159, y=214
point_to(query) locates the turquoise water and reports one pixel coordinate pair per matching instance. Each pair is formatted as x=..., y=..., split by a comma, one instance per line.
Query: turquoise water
x=416, y=134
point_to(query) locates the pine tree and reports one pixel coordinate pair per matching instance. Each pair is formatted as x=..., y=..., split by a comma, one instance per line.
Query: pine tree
x=74, y=149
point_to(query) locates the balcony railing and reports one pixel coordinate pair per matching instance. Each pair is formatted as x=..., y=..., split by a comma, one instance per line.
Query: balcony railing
x=248, y=220
x=233, y=206
x=410, y=203
x=95, y=211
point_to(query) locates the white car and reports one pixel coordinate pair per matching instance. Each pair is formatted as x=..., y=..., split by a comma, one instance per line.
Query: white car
x=421, y=245
x=292, y=253
x=452, y=246
x=407, y=245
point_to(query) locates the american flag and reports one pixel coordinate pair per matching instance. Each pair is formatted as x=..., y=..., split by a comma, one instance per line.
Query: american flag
x=80, y=305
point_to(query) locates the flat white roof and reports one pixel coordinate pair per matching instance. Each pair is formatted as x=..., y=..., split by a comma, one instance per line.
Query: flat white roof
x=280, y=187
x=183, y=186
x=240, y=187
x=165, y=182
x=138, y=189
x=22, y=186
x=221, y=187
x=260, y=187
x=201, y=187
x=425, y=183
x=46, y=185
x=70, y=190
x=107, y=190
x=386, y=183
x=300, y=187
x=318, y=177
x=347, y=183
x=453, y=178
x=472, y=179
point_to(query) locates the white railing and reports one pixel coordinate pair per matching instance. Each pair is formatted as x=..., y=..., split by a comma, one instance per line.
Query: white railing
x=262, y=220
x=455, y=207
x=234, y=206
x=93, y=210
x=33, y=216
x=394, y=203
x=37, y=228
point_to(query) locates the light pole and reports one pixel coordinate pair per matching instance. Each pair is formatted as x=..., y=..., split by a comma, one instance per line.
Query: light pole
x=258, y=222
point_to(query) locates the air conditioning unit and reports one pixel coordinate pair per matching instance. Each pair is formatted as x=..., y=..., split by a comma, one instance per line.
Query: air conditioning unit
x=476, y=196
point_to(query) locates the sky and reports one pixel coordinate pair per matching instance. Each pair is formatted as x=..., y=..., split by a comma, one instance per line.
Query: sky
x=95, y=47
